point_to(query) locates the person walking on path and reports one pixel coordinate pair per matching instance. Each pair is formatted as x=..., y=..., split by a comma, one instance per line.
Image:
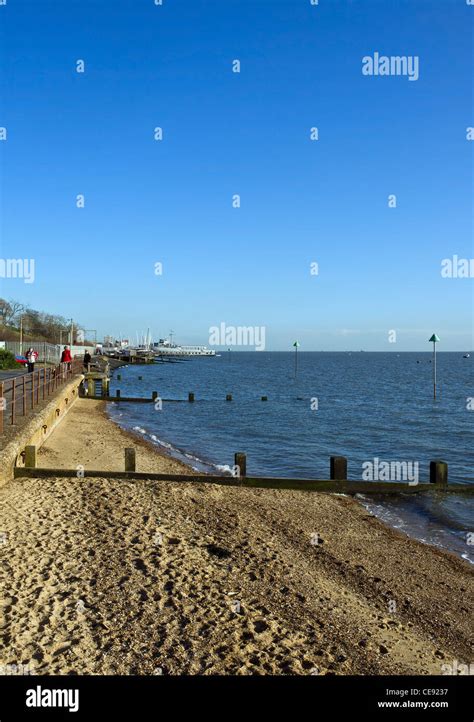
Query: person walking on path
x=66, y=357
x=31, y=356
x=87, y=360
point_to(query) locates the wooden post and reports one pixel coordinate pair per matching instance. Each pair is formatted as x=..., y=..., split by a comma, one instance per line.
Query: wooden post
x=438, y=473
x=338, y=468
x=228, y=397
x=24, y=395
x=13, y=400
x=154, y=395
x=130, y=459
x=118, y=393
x=33, y=390
x=30, y=457
x=2, y=403
x=191, y=396
x=90, y=387
x=240, y=460
x=44, y=384
x=38, y=384
x=119, y=377
x=140, y=378
x=264, y=398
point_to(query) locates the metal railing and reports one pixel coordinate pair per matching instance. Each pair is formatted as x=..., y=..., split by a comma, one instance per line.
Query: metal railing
x=21, y=394
x=47, y=352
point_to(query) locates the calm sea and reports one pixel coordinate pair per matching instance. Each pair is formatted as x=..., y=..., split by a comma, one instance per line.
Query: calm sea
x=359, y=405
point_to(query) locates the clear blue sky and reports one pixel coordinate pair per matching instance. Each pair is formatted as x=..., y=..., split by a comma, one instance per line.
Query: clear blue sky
x=226, y=133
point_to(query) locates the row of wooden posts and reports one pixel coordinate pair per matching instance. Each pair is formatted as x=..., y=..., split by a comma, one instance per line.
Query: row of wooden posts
x=139, y=399
x=337, y=482
x=228, y=397
x=92, y=377
x=337, y=467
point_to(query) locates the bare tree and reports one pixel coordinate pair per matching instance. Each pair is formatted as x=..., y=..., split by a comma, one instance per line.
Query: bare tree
x=10, y=312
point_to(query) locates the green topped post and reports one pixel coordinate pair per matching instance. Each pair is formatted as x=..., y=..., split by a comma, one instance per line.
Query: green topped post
x=296, y=344
x=434, y=339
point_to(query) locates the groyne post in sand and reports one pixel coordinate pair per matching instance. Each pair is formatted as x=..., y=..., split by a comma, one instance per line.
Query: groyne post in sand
x=338, y=468
x=191, y=396
x=438, y=472
x=130, y=460
x=228, y=397
x=30, y=457
x=240, y=460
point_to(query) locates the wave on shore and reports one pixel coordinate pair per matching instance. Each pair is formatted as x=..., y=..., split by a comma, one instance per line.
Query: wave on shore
x=185, y=457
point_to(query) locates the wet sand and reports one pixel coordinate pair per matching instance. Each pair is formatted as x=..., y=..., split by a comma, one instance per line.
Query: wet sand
x=148, y=577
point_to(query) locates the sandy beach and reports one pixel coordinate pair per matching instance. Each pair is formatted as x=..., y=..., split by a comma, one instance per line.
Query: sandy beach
x=118, y=577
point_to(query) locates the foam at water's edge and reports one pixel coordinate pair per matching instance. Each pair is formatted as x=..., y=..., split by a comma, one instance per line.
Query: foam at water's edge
x=446, y=540
x=196, y=463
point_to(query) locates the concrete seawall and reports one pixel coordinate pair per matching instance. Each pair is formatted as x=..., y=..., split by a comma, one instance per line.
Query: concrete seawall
x=38, y=428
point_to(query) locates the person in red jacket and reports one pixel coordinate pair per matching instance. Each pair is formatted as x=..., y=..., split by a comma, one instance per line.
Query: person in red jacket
x=66, y=357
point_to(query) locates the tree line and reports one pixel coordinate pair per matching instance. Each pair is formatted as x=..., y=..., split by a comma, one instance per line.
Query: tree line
x=37, y=325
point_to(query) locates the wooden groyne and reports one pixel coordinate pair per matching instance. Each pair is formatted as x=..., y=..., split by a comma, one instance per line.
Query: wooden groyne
x=92, y=395
x=97, y=388
x=337, y=483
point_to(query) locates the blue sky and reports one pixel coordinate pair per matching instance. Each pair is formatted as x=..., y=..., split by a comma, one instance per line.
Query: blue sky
x=244, y=133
